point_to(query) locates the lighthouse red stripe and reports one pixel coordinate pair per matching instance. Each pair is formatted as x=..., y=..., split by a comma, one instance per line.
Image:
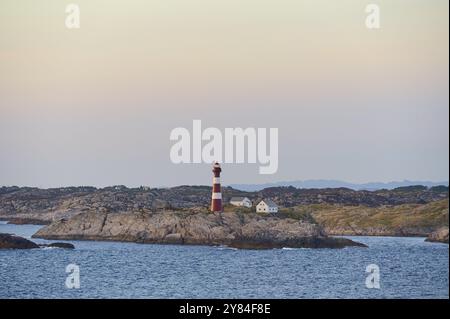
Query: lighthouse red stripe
x=216, y=198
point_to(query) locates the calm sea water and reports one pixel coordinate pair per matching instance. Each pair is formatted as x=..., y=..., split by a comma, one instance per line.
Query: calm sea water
x=409, y=268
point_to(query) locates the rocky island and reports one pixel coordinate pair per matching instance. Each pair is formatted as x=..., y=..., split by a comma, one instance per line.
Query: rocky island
x=240, y=230
x=306, y=218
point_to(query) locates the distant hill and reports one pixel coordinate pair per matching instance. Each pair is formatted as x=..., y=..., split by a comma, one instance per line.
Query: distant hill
x=36, y=204
x=321, y=183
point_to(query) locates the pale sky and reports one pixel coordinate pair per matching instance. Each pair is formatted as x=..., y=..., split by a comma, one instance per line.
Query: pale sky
x=96, y=105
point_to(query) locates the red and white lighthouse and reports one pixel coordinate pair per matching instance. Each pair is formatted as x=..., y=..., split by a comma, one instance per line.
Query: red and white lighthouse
x=216, y=199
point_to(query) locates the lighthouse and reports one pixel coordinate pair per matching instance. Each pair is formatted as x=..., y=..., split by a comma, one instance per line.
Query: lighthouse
x=216, y=198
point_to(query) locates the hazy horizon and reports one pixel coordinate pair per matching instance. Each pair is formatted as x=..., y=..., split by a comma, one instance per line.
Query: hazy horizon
x=408, y=182
x=96, y=105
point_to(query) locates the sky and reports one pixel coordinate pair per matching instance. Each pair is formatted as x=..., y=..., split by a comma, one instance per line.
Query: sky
x=96, y=105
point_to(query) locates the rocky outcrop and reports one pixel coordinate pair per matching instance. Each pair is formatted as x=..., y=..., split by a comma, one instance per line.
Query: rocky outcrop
x=440, y=235
x=242, y=230
x=8, y=241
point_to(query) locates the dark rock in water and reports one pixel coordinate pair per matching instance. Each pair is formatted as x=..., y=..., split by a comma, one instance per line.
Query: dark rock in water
x=306, y=242
x=60, y=245
x=440, y=235
x=8, y=241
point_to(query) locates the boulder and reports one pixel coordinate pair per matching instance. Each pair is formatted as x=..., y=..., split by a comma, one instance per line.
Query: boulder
x=8, y=241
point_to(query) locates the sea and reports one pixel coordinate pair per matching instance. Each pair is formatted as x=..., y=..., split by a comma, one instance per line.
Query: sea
x=391, y=267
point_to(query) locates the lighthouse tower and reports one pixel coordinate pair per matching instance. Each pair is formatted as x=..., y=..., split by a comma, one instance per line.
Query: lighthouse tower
x=216, y=199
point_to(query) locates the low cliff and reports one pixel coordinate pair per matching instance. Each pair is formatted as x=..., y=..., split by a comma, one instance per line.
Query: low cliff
x=440, y=235
x=241, y=230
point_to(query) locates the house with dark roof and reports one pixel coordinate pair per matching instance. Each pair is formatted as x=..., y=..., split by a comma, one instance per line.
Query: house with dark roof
x=266, y=206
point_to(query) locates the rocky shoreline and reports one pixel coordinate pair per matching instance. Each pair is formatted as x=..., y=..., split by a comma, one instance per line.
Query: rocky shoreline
x=239, y=230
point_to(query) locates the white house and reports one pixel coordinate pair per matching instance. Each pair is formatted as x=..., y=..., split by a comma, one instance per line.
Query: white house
x=266, y=206
x=241, y=201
